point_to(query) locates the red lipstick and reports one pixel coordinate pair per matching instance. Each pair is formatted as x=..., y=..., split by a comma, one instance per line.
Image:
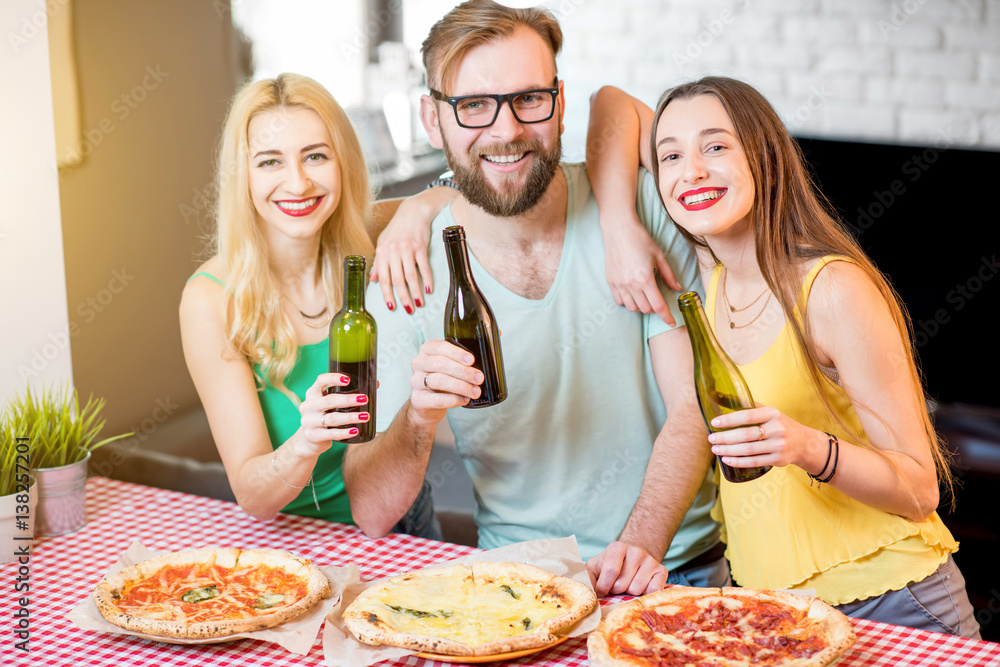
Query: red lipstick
x=298, y=213
x=702, y=204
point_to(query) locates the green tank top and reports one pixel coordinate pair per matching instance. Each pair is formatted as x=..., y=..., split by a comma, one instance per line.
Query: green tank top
x=282, y=418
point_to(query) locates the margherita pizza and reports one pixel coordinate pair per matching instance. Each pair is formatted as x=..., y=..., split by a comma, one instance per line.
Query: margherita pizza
x=469, y=610
x=210, y=592
x=698, y=627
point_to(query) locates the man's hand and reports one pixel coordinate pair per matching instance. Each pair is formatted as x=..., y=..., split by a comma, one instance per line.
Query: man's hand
x=624, y=568
x=632, y=260
x=443, y=377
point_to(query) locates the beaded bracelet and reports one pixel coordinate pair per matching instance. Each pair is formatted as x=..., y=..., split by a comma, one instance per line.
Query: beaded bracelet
x=833, y=450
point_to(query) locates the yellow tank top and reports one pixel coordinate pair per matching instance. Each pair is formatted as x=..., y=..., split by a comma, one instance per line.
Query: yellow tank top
x=783, y=533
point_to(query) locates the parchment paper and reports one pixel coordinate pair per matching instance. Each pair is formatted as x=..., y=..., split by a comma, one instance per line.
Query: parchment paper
x=296, y=635
x=560, y=556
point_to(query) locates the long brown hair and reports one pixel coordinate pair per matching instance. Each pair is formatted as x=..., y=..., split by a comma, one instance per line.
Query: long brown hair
x=792, y=223
x=258, y=327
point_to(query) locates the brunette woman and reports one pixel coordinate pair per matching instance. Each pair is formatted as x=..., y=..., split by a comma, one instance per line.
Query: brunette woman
x=849, y=508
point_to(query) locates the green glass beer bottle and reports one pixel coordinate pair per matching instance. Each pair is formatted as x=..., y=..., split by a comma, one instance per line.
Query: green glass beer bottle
x=719, y=383
x=469, y=321
x=354, y=346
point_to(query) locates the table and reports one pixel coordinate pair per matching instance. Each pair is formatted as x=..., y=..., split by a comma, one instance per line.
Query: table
x=63, y=570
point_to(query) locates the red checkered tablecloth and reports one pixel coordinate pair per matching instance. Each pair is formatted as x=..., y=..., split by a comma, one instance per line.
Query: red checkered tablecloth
x=63, y=570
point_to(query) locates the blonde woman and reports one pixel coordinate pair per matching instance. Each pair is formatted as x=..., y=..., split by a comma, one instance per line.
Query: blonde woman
x=293, y=200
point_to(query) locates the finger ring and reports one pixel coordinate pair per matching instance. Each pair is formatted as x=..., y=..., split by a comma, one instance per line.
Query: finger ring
x=762, y=436
x=425, y=381
x=322, y=420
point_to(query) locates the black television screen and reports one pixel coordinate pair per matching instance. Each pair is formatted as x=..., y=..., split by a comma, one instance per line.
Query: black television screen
x=926, y=217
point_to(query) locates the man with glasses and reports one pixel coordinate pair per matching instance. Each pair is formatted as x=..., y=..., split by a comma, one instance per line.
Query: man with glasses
x=600, y=436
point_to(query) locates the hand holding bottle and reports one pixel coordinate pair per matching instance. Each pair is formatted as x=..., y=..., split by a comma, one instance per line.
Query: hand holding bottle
x=325, y=416
x=469, y=322
x=764, y=436
x=354, y=346
x=720, y=387
x=443, y=377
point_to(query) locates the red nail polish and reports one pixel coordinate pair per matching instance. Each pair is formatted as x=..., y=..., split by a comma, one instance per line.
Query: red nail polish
x=362, y=399
x=344, y=379
x=417, y=301
x=427, y=289
x=353, y=431
x=409, y=310
x=390, y=306
x=364, y=416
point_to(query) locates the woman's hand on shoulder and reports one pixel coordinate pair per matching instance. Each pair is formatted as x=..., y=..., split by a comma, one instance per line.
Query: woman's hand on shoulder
x=401, y=263
x=321, y=421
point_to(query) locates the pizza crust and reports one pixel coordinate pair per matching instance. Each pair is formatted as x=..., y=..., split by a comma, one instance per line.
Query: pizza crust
x=167, y=619
x=663, y=599
x=597, y=643
x=367, y=619
x=838, y=629
x=838, y=633
x=470, y=594
x=576, y=599
x=510, y=644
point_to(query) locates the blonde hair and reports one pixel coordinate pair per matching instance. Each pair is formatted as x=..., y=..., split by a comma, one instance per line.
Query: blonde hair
x=793, y=222
x=257, y=325
x=473, y=24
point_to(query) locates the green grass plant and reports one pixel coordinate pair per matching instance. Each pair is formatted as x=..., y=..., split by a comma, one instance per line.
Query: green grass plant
x=9, y=433
x=58, y=429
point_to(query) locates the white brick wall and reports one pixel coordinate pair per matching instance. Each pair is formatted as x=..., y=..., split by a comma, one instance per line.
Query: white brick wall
x=892, y=71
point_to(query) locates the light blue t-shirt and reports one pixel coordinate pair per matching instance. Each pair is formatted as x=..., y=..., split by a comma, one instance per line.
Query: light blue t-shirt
x=566, y=452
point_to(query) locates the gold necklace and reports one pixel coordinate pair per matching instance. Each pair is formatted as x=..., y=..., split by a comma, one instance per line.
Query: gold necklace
x=306, y=318
x=731, y=309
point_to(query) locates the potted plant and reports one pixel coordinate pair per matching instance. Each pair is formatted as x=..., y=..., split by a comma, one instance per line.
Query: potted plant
x=61, y=435
x=18, y=497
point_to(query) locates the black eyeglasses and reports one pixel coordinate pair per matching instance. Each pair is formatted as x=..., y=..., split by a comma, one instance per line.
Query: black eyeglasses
x=478, y=111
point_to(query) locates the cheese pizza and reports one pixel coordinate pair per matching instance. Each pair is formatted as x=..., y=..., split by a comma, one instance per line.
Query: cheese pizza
x=469, y=610
x=699, y=627
x=210, y=592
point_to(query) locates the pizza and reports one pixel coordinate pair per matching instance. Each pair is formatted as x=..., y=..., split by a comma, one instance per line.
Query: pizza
x=698, y=627
x=210, y=592
x=469, y=610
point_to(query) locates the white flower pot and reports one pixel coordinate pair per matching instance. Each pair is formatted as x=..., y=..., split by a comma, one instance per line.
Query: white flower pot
x=12, y=507
x=62, y=498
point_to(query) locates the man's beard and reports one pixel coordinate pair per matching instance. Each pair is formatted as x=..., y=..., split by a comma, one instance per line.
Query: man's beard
x=510, y=200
